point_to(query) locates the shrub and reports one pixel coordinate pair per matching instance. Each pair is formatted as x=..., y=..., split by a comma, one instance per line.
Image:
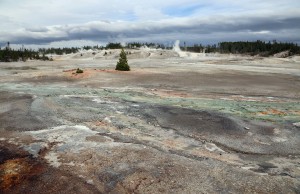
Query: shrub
x=122, y=64
x=79, y=70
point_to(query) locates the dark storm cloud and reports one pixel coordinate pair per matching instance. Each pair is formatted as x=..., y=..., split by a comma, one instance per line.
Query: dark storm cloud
x=46, y=22
x=223, y=28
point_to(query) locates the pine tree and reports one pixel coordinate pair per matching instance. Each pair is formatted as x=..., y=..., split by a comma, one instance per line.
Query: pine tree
x=122, y=64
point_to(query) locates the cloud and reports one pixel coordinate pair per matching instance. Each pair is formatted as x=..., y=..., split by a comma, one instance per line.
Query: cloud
x=37, y=22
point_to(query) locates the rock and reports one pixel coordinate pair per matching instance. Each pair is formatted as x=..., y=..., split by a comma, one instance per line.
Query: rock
x=286, y=174
x=247, y=128
x=297, y=124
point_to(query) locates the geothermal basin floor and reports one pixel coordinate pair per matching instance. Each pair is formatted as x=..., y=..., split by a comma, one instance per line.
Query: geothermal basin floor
x=191, y=124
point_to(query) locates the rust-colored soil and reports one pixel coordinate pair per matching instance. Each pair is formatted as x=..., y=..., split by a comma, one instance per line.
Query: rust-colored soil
x=16, y=171
x=87, y=73
x=273, y=112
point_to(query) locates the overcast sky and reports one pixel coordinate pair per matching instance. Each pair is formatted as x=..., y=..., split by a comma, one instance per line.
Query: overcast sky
x=92, y=22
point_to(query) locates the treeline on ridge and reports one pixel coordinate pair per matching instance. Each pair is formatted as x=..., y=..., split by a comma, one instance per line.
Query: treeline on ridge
x=250, y=48
x=9, y=55
x=258, y=48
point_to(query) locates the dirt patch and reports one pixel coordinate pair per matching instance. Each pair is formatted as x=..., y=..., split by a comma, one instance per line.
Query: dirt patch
x=21, y=173
x=17, y=167
x=131, y=72
x=273, y=112
x=100, y=123
x=16, y=171
x=87, y=73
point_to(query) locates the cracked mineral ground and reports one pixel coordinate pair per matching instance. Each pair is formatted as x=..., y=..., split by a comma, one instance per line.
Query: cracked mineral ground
x=195, y=124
